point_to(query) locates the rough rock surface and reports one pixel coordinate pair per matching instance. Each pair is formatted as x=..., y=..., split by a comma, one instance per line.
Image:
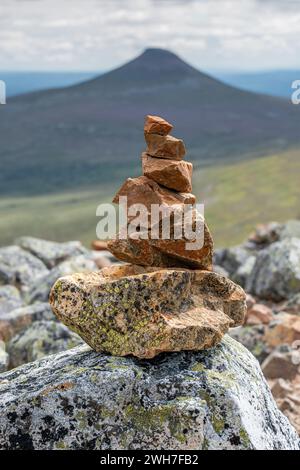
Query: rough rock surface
x=169, y=173
x=171, y=252
x=40, y=339
x=129, y=310
x=276, y=273
x=147, y=192
x=19, y=268
x=39, y=290
x=19, y=319
x=167, y=147
x=258, y=314
x=51, y=253
x=280, y=363
x=238, y=261
x=157, y=125
x=79, y=399
x=10, y=299
x=285, y=329
x=252, y=337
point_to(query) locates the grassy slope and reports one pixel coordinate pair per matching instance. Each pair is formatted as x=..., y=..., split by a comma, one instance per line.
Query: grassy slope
x=241, y=195
x=237, y=196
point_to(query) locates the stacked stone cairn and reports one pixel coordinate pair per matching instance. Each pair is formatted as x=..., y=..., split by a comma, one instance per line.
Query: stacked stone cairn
x=167, y=298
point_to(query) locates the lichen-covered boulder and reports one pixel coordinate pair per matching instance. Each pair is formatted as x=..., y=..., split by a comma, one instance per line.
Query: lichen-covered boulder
x=80, y=399
x=130, y=309
x=40, y=290
x=20, y=268
x=10, y=299
x=51, y=253
x=276, y=273
x=15, y=321
x=40, y=339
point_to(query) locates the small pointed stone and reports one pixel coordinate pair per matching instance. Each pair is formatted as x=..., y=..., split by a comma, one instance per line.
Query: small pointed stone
x=165, y=146
x=157, y=125
x=169, y=173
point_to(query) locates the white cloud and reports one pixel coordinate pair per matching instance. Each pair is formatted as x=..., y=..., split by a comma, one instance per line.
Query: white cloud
x=100, y=34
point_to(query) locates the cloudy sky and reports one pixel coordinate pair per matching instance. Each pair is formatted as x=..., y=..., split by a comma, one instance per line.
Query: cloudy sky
x=101, y=34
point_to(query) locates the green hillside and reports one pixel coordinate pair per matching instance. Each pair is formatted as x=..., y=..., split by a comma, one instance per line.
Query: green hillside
x=237, y=196
x=91, y=133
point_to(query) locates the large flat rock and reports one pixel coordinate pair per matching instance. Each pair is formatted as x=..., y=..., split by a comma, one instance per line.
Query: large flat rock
x=145, y=311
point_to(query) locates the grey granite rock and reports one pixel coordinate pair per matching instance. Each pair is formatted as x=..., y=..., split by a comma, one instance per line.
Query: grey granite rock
x=80, y=399
x=17, y=320
x=40, y=339
x=252, y=337
x=276, y=273
x=51, y=253
x=244, y=271
x=40, y=290
x=231, y=259
x=10, y=299
x=20, y=268
x=289, y=229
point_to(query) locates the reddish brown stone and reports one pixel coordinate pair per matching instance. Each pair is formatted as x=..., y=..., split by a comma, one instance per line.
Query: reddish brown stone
x=145, y=191
x=169, y=173
x=171, y=252
x=259, y=314
x=165, y=146
x=286, y=330
x=157, y=125
x=99, y=245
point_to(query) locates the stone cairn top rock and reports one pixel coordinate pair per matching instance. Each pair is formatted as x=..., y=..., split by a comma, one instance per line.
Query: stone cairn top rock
x=167, y=298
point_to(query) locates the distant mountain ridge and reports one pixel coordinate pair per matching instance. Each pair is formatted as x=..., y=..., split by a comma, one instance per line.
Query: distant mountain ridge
x=274, y=82
x=87, y=134
x=18, y=83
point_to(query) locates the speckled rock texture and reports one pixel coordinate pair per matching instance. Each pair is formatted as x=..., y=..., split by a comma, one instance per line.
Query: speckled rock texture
x=19, y=268
x=80, y=399
x=276, y=273
x=51, y=253
x=39, y=290
x=17, y=320
x=142, y=311
x=40, y=339
x=10, y=299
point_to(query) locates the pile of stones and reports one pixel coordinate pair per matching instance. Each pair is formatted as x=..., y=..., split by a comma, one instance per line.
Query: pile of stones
x=167, y=298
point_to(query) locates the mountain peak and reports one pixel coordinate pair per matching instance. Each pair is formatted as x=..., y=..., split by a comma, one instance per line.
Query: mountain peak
x=157, y=52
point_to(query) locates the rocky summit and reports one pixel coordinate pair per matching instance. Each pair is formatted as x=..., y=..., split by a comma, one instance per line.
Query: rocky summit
x=167, y=299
